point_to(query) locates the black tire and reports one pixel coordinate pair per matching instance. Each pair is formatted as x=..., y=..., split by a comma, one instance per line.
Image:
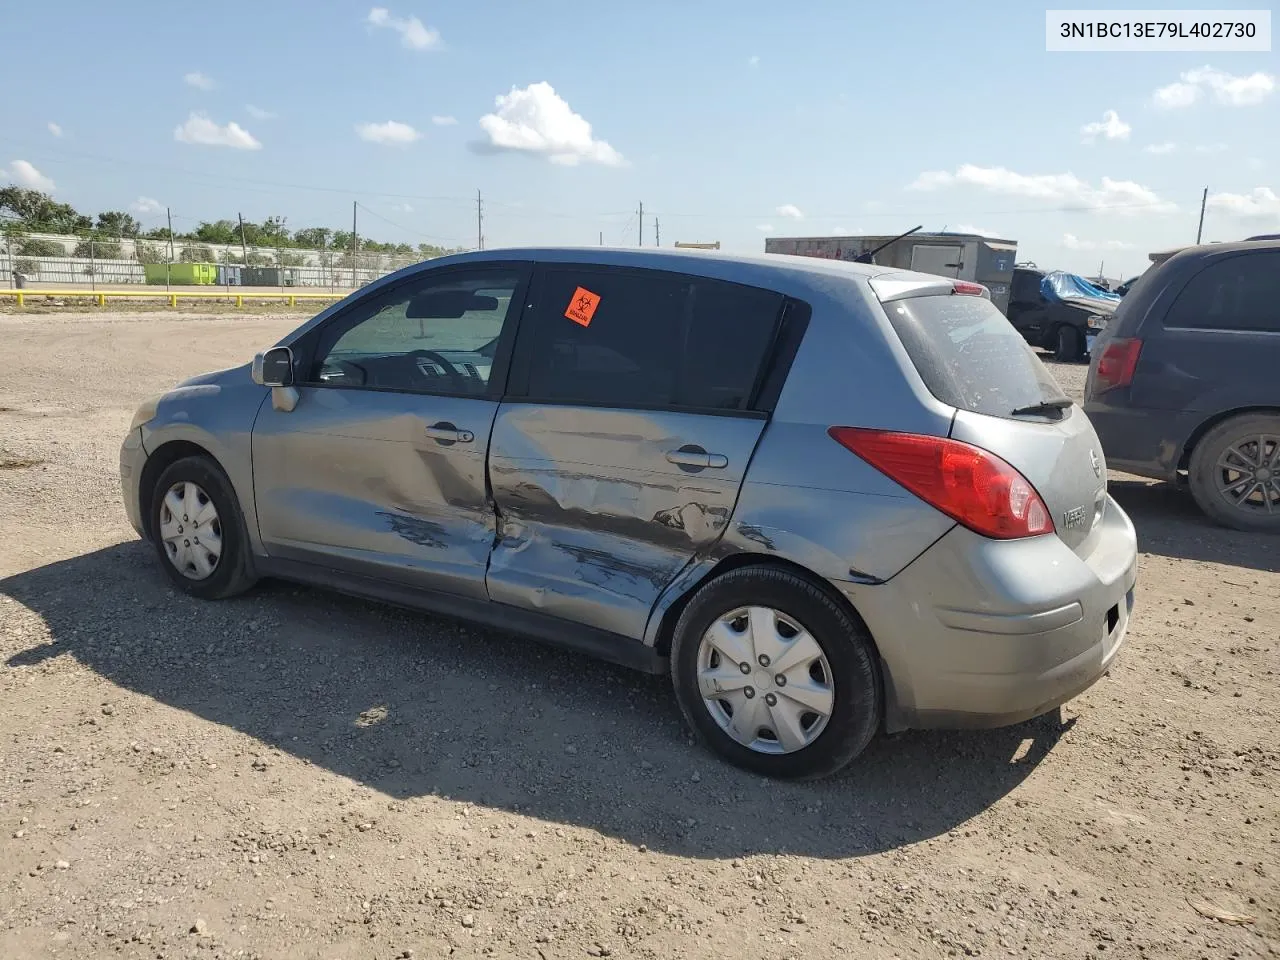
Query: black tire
x=845, y=641
x=1067, y=344
x=233, y=573
x=1205, y=473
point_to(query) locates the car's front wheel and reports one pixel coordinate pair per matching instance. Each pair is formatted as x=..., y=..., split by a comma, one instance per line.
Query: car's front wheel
x=198, y=530
x=1234, y=472
x=775, y=675
x=1067, y=344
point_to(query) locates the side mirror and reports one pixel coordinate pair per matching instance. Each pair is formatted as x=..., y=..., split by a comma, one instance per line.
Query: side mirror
x=273, y=368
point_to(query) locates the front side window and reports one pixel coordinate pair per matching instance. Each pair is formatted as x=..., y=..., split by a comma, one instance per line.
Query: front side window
x=435, y=334
x=642, y=338
x=1238, y=293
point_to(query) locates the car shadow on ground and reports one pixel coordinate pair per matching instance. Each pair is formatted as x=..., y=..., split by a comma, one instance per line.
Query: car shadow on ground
x=412, y=705
x=1170, y=524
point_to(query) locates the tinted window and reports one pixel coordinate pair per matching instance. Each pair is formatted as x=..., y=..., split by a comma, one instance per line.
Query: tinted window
x=969, y=356
x=1239, y=293
x=436, y=334
x=1026, y=286
x=649, y=339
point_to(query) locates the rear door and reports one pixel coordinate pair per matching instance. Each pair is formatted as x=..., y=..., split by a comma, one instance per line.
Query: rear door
x=1220, y=346
x=619, y=452
x=380, y=468
x=970, y=358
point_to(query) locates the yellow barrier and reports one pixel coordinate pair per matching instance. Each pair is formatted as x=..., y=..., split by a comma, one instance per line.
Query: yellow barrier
x=101, y=296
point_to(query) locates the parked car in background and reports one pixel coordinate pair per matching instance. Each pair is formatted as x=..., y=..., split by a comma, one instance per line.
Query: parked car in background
x=1065, y=324
x=1185, y=383
x=827, y=498
x=1125, y=287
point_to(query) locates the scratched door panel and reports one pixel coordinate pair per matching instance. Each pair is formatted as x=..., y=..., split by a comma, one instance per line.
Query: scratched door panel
x=350, y=479
x=594, y=518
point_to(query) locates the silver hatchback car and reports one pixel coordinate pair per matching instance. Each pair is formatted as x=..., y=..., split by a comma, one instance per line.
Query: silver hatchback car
x=826, y=498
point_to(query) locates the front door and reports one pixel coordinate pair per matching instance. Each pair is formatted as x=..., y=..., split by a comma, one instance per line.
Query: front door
x=380, y=468
x=629, y=424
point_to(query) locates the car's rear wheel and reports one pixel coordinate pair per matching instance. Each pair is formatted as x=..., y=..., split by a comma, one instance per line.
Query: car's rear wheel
x=198, y=530
x=1234, y=472
x=775, y=675
x=1066, y=344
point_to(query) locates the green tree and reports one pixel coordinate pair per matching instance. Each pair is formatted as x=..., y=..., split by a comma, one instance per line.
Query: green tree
x=290, y=259
x=313, y=238
x=116, y=223
x=220, y=231
x=158, y=233
x=39, y=247
x=102, y=250
x=40, y=212
x=152, y=253
x=197, y=253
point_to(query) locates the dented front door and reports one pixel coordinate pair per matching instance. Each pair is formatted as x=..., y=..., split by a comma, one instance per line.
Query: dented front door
x=599, y=509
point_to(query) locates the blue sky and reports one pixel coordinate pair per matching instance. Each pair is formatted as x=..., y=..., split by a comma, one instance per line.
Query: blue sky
x=730, y=121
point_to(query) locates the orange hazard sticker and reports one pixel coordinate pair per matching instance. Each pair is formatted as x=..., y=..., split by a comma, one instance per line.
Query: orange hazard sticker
x=583, y=306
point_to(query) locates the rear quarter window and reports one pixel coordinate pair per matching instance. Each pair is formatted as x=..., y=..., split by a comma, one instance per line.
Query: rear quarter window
x=969, y=356
x=1240, y=293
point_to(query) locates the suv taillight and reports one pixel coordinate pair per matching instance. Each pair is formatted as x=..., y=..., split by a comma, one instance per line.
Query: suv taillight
x=1117, y=364
x=968, y=484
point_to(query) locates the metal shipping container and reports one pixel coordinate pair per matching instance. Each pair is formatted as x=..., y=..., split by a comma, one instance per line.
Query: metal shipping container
x=965, y=256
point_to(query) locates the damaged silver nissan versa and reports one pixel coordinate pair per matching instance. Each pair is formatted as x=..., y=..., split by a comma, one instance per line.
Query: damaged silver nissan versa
x=826, y=498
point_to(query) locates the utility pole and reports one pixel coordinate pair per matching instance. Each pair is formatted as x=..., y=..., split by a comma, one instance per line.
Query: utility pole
x=657, y=234
x=168, y=267
x=354, y=245
x=602, y=238
x=641, y=229
x=244, y=250
x=479, y=221
x=1204, y=199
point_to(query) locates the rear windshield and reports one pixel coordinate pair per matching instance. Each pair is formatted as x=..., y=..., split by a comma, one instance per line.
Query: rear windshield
x=969, y=355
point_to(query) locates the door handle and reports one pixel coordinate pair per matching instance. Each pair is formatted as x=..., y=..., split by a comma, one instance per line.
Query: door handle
x=697, y=457
x=445, y=432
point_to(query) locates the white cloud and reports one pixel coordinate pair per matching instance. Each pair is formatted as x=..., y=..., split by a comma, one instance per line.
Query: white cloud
x=25, y=175
x=1212, y=148
x=258, y=113
x=764, y=227
x=1260, y=203
x=445, y=121
x=1226, y=88
x=1110, y=127
x=842, y=231
x=1062, y=189
x=403, y=208
x=145, y=205
x=391, y=132
x=535, y=119
x=1072, y=242
x=1160, y=148
x=198, y=80
x=55, y=129
x=789, y=210
x=413, y=34
x=753, y=61
x=200, y=130
x=980, y=231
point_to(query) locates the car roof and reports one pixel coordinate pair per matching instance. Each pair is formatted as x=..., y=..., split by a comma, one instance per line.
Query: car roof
x=1209, y=250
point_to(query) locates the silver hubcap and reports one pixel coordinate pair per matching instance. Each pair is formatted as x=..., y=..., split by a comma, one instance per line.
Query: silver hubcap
x=1248, y=474
x=765, y=680
x=190, y=530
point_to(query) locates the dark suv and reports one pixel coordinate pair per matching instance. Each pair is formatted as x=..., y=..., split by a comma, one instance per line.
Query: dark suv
x=1185, y=380
x=1067, y=328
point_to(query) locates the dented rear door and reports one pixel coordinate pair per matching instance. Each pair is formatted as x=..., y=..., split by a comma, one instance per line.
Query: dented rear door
x=630, y=421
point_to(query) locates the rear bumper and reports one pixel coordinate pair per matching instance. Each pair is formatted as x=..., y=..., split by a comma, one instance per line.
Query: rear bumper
x=1146, y=443
x=132, y=459
x=985, y=633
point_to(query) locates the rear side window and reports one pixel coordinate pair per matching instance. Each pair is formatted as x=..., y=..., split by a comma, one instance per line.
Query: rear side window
x=637, y=338
x=969, y=355
x=1238, y=293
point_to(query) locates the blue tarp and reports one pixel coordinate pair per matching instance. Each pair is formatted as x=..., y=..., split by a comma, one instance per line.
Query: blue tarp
x=1060, y=285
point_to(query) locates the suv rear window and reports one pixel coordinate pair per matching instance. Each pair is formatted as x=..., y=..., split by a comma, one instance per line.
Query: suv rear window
x=969, y=355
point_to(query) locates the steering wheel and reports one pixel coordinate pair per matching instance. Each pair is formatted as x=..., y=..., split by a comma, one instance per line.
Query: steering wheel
x=450, y=370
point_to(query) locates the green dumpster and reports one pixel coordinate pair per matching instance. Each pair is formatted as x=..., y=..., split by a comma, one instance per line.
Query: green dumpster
x=181, y=274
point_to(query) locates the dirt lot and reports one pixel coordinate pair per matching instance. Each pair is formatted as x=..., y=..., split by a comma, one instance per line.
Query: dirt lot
x=293, y=774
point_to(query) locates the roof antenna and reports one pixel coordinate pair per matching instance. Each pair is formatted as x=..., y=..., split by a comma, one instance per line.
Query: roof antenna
x=869, y=256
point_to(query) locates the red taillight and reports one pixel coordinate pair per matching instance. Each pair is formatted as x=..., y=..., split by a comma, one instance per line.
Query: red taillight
x=1117, y=364
x=968, y=484
x=968, y=289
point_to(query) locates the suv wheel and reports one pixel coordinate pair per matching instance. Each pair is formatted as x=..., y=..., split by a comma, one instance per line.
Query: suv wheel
x=1066, y=344
x=1235, y=472
x=198, y=530
x=775, y=675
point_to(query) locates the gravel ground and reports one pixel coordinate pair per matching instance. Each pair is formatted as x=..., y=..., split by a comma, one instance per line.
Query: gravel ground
x=293, y=774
